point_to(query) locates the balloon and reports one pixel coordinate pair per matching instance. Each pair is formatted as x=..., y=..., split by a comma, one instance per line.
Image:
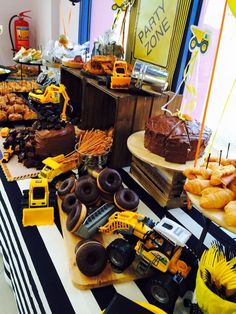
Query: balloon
x=232, y=5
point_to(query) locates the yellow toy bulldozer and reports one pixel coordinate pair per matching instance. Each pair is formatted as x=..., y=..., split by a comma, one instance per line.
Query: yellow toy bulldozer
x=36, y=204
x=120, y=78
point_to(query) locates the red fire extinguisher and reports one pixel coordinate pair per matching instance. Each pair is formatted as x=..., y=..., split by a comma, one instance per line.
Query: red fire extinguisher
x=21, y=31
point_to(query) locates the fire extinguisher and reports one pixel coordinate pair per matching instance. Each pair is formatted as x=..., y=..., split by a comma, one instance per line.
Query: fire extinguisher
x=21, y=31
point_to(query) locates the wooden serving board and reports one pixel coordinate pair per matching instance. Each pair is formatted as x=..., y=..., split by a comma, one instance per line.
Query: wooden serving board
x=107, y=277
x=135, y=145
x=216, y=215
x=15, y=170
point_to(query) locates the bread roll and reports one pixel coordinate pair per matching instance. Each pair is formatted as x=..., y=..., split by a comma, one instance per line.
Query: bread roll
x=216, y=198
x=230, y=213
x=196, y=186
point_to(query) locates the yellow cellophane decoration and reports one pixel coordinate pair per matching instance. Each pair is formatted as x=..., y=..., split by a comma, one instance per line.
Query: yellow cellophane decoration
x=211, y=303
x=218, y=273
x=232, y=5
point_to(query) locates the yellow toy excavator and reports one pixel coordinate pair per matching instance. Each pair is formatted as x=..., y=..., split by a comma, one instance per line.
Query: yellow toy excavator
x=51, y=95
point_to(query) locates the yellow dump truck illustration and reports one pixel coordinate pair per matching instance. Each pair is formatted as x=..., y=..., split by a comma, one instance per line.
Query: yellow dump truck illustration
x=200, y=39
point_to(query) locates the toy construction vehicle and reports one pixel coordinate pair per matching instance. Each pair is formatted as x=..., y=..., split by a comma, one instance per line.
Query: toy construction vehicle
x=8, y=153
x=39, y=197
x=156, y=249
x=51, y=95
x=58, y=165
x=120, y=304
x=37, y=204
x=121, y=4
x=4, y=132
x=120, y=78
x=200, y=39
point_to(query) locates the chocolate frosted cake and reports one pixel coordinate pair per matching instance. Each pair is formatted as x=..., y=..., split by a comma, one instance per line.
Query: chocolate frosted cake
x=54, y=142
x=34, y=144
x=174, y=139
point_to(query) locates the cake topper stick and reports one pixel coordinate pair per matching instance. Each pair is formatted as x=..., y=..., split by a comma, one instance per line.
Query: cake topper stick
x=208, y=159
x=227, y=153
x=210, y=87
x=220, y=157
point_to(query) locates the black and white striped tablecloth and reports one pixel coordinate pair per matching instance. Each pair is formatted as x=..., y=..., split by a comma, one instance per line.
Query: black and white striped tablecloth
x=36, y=263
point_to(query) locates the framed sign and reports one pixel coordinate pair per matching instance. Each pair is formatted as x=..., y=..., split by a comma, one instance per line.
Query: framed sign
x=154, y=30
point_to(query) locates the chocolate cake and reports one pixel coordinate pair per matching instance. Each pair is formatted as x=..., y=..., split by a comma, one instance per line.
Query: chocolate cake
x=54, y=142
x=174, y=139
x=35, y=143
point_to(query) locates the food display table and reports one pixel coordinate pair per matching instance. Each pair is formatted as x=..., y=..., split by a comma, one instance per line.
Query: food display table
x=36, y=260
x=102, y=108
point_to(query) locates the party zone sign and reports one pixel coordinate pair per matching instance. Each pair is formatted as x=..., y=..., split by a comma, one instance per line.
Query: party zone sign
x=154, y=28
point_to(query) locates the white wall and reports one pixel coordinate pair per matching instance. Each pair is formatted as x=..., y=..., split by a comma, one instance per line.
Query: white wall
x=44, y=24
x=7, y=10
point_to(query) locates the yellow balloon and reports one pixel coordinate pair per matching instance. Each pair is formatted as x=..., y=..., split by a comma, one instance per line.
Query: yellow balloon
x=232, y=5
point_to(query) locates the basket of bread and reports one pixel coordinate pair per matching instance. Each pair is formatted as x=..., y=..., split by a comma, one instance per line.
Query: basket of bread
x=213, y=186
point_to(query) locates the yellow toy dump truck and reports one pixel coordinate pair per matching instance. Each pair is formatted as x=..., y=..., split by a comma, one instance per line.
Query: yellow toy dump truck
x=200, y=39
x=51, y=95
x=36, y=204
x=156, y=250
x=58, y=165
x=120, y=78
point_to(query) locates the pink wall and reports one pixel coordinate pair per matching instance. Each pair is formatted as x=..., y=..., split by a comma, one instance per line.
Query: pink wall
x=210, y=20
x=102, y=18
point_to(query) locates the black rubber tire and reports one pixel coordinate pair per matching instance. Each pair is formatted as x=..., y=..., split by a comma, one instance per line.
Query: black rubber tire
x=191, y=259
x=91, y=257
x=204, y=46
x=162, y=291
x=25, y=199
x=120, y=254
x=26, y=194
x=108, y=81
x=193, y=43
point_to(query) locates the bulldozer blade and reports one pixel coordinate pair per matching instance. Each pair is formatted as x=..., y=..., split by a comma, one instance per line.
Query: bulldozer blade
x=38, y=216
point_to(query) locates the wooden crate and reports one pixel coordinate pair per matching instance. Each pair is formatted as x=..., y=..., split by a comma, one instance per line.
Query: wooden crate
x=164, y=185
x=100, y=107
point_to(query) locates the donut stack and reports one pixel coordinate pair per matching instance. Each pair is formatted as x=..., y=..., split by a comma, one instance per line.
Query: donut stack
x=81, y=197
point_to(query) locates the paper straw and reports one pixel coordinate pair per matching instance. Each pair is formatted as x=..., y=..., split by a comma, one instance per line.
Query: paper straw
x=220, y=157
x=227, y=153
x=210, y=87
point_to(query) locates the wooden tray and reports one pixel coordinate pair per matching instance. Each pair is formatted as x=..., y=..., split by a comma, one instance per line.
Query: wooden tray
x=136, y=146
x=216, y=215
x=107, y=277
x=15, y=170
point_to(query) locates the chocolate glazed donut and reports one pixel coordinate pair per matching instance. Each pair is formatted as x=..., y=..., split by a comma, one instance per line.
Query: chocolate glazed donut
x=87, y=191
x=76, y=217
x=109, y=180
x=67, y=186
x=126, y=199
x=70, y=202
x=91, y=257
